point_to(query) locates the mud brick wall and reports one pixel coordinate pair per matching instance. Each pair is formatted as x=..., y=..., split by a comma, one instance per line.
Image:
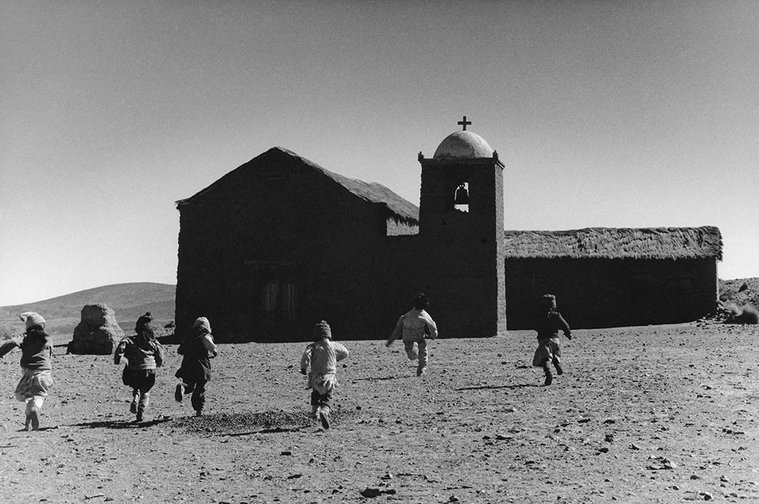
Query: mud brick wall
x=593, y=293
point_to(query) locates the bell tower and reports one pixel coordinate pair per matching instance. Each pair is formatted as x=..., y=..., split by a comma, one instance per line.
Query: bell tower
x=462, y=234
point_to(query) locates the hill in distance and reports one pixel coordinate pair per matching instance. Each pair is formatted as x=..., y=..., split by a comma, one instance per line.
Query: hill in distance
x=128, y=300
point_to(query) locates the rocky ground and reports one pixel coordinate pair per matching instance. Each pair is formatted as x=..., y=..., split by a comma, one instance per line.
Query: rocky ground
x=643, y=414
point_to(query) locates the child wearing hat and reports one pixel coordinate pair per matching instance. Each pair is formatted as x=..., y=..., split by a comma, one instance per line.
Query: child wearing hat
x=414, y=327
x=322, y=356
x=197, y=349
x=548, y=323
x=36, y=364
x=143, y=354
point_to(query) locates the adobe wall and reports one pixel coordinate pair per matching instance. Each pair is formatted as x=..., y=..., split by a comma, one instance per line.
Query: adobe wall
x=594, y=293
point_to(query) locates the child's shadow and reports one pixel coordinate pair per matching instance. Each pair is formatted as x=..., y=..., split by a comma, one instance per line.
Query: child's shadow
x=493, y=387
x=24, y=429
x=122, y=424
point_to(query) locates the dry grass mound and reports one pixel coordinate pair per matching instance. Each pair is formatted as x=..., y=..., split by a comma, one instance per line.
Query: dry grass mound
x=739, y=300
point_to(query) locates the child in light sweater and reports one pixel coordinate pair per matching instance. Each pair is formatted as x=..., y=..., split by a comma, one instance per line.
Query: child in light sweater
x=143, y=354
x=36, y=364
x=415, y=327
x=322, y=356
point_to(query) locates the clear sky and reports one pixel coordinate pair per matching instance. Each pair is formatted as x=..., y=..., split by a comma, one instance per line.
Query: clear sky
x=613, y=114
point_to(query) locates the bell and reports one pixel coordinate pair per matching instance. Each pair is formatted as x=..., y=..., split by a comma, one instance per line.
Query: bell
x=461, y=197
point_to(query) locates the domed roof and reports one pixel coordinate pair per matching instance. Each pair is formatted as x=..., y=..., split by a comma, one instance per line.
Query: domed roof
x=463, y=145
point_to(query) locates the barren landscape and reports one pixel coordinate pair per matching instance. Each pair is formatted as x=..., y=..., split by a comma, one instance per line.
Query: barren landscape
x=643, y=414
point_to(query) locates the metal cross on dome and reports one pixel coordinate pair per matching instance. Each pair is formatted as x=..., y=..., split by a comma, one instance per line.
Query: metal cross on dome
x=464, y=122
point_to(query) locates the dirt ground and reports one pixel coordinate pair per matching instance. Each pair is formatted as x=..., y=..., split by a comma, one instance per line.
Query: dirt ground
x=644, y=414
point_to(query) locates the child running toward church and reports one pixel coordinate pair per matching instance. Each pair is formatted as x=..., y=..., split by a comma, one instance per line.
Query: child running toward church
x=36, y=363
x=197, y=350
x=143, y=354
x=322, y=356
x=548, y=323
x=415, y=326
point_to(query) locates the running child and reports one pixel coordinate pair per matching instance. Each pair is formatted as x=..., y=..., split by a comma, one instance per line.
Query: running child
x=143, y=354
x=36, y=364
x=197, y=349
x=548, y=323
x=415, y=327
x=322, y=356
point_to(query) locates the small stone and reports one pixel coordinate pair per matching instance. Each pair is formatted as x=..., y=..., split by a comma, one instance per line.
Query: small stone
x=370, y=492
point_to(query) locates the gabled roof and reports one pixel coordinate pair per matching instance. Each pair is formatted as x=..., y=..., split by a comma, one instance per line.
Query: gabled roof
x=616, y=243
x=397, y=207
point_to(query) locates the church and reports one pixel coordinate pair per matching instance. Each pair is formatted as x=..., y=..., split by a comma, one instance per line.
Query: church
x=279, y=243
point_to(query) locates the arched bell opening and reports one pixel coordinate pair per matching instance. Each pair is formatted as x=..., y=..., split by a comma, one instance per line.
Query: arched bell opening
x=461, y=197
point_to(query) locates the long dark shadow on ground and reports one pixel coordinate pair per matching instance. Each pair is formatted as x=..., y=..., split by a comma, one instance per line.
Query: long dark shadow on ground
x=494, y=387
x=273, y=430
x=122, y=424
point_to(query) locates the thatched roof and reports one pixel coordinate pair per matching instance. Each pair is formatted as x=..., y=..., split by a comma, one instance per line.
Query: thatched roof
x=600, y=243
x=616, y=243
x=398, y=209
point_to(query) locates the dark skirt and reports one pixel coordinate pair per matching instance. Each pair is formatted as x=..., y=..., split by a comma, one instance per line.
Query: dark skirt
x=142, y=379
x=193, y=372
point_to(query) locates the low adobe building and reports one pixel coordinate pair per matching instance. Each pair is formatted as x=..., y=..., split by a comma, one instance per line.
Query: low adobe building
x=607, y=277
x=280, y=243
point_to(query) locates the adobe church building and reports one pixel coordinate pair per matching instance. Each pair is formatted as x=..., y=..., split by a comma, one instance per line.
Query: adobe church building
x=280, y=243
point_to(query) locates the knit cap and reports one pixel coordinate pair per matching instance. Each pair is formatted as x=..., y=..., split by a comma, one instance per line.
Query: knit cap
x=143, y=321
x=548, y=301
x=322, y=330
x=203, y=323
x=32, y=319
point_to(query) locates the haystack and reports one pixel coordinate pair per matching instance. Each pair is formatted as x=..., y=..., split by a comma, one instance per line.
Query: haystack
x=97, y=333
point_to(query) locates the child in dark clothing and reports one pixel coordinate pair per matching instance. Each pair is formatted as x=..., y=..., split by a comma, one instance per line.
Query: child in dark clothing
x=548, y=323
x=197, y=348
x=143, y=354
x=36, y=362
